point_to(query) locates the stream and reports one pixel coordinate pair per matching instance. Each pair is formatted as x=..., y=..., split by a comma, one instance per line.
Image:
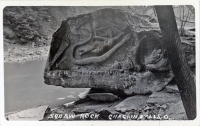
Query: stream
x=24, y=88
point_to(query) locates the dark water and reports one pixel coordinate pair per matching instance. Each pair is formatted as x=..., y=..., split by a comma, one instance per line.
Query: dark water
x=24, y=87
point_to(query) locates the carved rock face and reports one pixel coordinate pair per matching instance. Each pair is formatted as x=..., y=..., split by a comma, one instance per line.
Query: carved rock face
x=149, y=53
x=103, y=50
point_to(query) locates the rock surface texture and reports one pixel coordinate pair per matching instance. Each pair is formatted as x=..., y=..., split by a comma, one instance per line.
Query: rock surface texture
x=108, y=49
x=132, y=103
x=34, y=114
x=138, y=107
x=104, y=97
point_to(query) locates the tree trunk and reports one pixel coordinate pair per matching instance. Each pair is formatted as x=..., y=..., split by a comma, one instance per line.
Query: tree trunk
x=172, y=43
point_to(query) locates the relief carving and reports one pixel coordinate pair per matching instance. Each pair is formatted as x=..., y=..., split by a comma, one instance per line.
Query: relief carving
x=105, y=50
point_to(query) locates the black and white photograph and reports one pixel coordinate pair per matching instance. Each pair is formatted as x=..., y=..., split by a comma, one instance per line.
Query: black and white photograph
x=100, y=63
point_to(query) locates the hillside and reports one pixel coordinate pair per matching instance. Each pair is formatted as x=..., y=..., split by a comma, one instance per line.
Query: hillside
x=28, y=30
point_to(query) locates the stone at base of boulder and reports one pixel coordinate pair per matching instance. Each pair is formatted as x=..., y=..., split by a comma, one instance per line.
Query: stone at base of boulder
x=132, y=103
x=162, y=98
x=84, y=94
x=172, y=89
x=33, y=114
x=103, y=97
x=177, y=111
x=131, y=108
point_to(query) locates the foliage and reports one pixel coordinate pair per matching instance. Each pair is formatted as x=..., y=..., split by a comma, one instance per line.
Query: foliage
x=184, y=17
x=25, y=22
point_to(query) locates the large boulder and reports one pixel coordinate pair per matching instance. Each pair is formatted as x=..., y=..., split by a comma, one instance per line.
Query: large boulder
x=108, y=49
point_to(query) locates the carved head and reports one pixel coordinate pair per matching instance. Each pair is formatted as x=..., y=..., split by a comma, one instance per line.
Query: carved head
x=154, y=57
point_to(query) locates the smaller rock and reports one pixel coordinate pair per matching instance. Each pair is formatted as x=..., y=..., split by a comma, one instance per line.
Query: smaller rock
x=104, y=114
x=63, y=109
x=161, y=112
x=80, y=111
x=33, y=44
x=84, y=94
x=22, y=40
x=172, y=89
x=69, y=104
x=103, y=97
x=37, y=39
x=148, y=108
x=132, y=103
x=14, y=42
x=40, y=45
x=33, y=114
x=45, y=37
x=8, y=33
x=38, y=52
x=162, y=98
x=164, y=106
x=177, y=111
x=30, y=53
